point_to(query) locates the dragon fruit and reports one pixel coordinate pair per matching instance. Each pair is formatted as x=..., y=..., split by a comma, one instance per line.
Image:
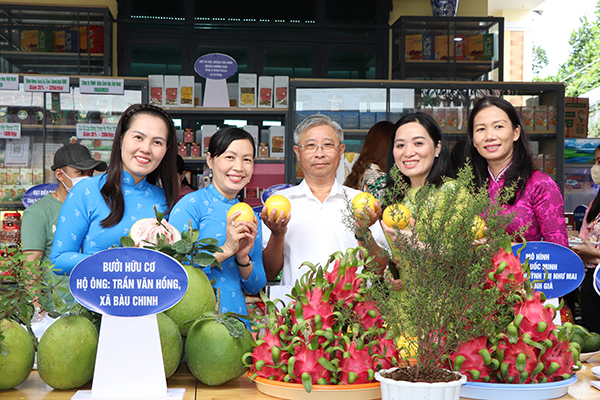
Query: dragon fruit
x=533, y=319
x=474, y=359
x=329, y=333
x=356, y=365
x=507, y=272
x=518, y=362
x=562, y=358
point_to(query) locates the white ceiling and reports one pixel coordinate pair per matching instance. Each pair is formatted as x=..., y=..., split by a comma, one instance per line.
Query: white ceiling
x=495, y=6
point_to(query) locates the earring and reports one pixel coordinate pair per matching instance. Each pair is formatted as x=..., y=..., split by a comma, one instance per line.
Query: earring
x=437, y=156
x=210, y=174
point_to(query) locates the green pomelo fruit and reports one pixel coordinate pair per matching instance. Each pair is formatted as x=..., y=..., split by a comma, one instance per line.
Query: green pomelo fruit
x=170, y=343
x=580, y=330
x=591, y=343
x=199, y=298
x=575, y=338
x=16, y=366
x=214, y=356
x=67, y=352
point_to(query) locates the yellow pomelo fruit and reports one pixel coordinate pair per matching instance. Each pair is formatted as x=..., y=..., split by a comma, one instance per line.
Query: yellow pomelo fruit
x=478, y=227
x=363, y=200
x=247, y=214
x=280, y=203
x=396, y=216
x=16, y=365
x=67, y=352
x=170, y=343
x=200, y=297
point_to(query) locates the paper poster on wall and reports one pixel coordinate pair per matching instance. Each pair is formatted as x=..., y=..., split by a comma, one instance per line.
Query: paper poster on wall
x=17, y=152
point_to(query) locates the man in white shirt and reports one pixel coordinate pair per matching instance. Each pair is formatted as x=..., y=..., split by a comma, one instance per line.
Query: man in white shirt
x=314, y=229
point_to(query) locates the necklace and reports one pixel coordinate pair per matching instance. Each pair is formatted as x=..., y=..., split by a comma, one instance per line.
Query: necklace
x=57, y=196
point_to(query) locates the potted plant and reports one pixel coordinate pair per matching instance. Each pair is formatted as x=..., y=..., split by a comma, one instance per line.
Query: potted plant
x=466, y=303
x=442, y=267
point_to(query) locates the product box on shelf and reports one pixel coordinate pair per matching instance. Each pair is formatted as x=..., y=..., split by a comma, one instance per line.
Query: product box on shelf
x=552, y=118
x=459, y=47
x=381, y=116
x=277, y=141
x=451, y=119
x=157, y=89
x=550, y=165
x=444, y=47
x=186, y=91
x=439, y=114
x=281, y=87
x=189, y=136
x=576, y=116
x=247, y=90
x=232, y=93
x=538, y=162
x=349, y=119
x=198, y=94
x=58, y=40
x=182, y=149
x=207, y=132
x=45, y=41
x=367, y=120
x=265, y=91
x=528, y=116
x=335, y=116
x=171, y=90
x=480, y=47
x=91, y=39
x=29, y=40
x=253, y=131
x=419, y=47
x=541, y=118
x=195, y=150
x=71, y=41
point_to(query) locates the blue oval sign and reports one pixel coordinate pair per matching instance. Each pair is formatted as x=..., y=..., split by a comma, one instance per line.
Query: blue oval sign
x=215, y=66
x=36, y=192
x=128, y=282
x=565, y=268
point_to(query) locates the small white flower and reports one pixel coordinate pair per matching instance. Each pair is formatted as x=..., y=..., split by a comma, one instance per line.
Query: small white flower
x=126, y=231
x=92, y=244
x=73, y=236
x=59, y=243
x=222, y=279
x=62, y=219
x=87, y=192
x=233, y=294
x=77, y=213
x=139, y=206
x=127, y=192
x=133, y=218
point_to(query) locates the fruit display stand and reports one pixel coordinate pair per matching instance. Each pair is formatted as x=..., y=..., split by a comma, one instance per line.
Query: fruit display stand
x=242, y=388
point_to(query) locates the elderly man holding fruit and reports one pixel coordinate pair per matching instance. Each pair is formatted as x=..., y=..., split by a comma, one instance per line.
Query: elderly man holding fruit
x=314, y=227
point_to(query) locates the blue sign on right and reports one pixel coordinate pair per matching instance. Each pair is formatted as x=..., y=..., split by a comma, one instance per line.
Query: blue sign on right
x=564, y=268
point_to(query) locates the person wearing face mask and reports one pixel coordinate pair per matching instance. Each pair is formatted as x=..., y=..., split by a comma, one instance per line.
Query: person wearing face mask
x=589, y=252
x=72, y=163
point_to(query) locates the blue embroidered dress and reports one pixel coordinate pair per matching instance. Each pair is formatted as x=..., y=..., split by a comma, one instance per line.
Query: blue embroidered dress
x=207, y=209
x=78, y=230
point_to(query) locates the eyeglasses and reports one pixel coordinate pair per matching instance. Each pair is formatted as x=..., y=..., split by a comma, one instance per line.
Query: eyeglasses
x=312, y=147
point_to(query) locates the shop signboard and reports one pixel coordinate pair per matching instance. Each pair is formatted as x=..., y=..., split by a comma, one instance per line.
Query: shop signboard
x=9, y=130
x=215, y=66
x=555, y=270
x=9, y=81
x=96, y=131
x=53, y=84
x=128, y=282
x=101, y=86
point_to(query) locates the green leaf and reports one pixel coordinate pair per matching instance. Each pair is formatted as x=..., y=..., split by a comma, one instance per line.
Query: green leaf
x=204, y=259
x=182, y=247
x=126, y=241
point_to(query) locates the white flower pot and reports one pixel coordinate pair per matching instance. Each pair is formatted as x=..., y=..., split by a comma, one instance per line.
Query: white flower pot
x=402, y=390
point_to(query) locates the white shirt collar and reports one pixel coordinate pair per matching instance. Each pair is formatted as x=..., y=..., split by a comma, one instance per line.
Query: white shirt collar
x=497, y=178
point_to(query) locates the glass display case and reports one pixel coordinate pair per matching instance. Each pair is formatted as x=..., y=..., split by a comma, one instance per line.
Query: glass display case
x=440, y=48
x=55, y=40
x=45, y=122
x=357, y=105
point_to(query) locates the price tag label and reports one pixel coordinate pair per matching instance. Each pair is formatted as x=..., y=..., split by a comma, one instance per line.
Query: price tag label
x=563, y=267
x=9, y=81
x=101, y=86
x=128, y=282
x=95, y=131
x=55, y=84
x=10, y=130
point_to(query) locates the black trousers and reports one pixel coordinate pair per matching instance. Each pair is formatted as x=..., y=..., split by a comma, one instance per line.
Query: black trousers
x=590, y=302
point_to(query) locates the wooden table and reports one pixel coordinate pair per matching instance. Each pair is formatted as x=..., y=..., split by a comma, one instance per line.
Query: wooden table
x=35, y=389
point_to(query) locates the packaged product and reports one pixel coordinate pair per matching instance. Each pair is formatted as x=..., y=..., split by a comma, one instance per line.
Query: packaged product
x=58, y=40
x=265, y=91
x=171, y=90
x=444, y=47
x=459, y=47
x=541, y=118
x=157, y=88
x=551, y=118
x=186, y=90
x=576, y=116
x=528, y=115
x=207, y=132
x=452, y=118
x=281, y=85
x=253, y=130
x=71, y=41
x=277, y=141
x=45, y=41
x=439, y=114
x=247, y=90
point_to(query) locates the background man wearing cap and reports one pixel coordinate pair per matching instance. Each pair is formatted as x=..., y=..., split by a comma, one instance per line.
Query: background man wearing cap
x=72, y=162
